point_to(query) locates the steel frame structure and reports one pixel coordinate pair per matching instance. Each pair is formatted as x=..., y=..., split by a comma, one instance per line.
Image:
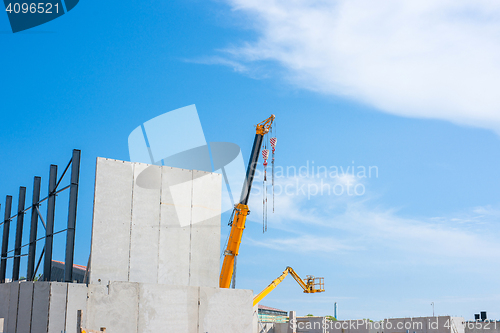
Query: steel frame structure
x=48, y=224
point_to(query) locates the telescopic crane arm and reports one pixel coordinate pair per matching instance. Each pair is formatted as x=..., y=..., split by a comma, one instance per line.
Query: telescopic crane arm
x=241, y=209
x=310, y=284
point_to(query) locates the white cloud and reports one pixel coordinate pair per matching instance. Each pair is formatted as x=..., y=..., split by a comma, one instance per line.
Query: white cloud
x=430, y=59
x=235, y=65
x=305, y=244
x=354, y=224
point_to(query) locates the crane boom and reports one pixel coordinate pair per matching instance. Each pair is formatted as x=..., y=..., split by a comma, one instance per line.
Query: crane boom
x=241, y=210
x=310, y=284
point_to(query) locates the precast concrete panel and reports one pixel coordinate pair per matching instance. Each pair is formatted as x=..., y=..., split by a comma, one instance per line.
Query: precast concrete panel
x=255, y=319
x=205, y=256
x=281, y=327
x=206, y=199
x=175, y=230
x=111, y=221
x=40, y=310
x=153, y=230
x=13, y=306
x=419, y=325
x=316, y=325
x=434, y=324
x=77, y=300
x=166, y=308
x=174, y=248
x=4, y=305
x=145, y=233
x=476, y=326
x=114, y=307
x=24, y=307
x=205, y=231
x=57, y=307
x=225, y=310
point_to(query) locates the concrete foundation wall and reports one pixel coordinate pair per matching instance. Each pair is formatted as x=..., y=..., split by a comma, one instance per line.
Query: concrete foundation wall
x=24, y=307
x=281, y=328
x=41, y=307
x=154, y=266
x=142, y=307
x=4, y=305
x=482, y=327
x=312, y=325
x=155, y=224
x=443, y=324
x=124, y=307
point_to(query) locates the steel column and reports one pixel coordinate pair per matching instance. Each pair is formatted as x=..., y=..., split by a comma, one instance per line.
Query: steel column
x=19, y=233
x=73, y=199
x=49, y=231
x=5, y=238
x=33, y=229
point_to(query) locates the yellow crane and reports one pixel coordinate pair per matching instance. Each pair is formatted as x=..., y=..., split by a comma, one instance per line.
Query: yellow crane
x=310, y=284
x=241, y=210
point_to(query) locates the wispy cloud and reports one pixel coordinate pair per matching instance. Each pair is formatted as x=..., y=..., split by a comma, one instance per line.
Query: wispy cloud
x=430, y=59
x=305, y=244
x=216, y=60
x=355, y=224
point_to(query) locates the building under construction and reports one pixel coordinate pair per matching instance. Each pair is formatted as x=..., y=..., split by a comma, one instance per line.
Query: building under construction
x=154, y=264
x=154, y=261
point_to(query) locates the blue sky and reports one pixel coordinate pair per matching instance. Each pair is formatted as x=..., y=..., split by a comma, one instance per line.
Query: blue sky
x=409, y=88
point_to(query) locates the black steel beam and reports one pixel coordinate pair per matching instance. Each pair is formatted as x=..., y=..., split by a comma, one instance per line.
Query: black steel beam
x=252, y=165
x=39, y=262
x=73, y=200
x=51, y=204
x=5, y=238
x=19, y=233
x=33, y=228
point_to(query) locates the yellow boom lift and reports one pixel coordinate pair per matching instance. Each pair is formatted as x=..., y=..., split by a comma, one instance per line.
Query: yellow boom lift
x=310, y=284
x=241, y=211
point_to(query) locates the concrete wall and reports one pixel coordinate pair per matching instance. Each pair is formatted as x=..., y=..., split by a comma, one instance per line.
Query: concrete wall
x=281, y=327
x=154, y=265
x=155, y=256
x=52, y=307
x=41, y=307
x=312, y=324
x=4, y=306
x=482, y=327
x=443, y=324
x=143, y=307
x=155, y=224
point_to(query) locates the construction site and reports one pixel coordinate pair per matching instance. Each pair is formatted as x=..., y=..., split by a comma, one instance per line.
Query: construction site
x=155, y=255
x=340, y=174
x=154, y=264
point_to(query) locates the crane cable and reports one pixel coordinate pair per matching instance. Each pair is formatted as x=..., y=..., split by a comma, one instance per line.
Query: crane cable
x=273, y=142
x=265, y=156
